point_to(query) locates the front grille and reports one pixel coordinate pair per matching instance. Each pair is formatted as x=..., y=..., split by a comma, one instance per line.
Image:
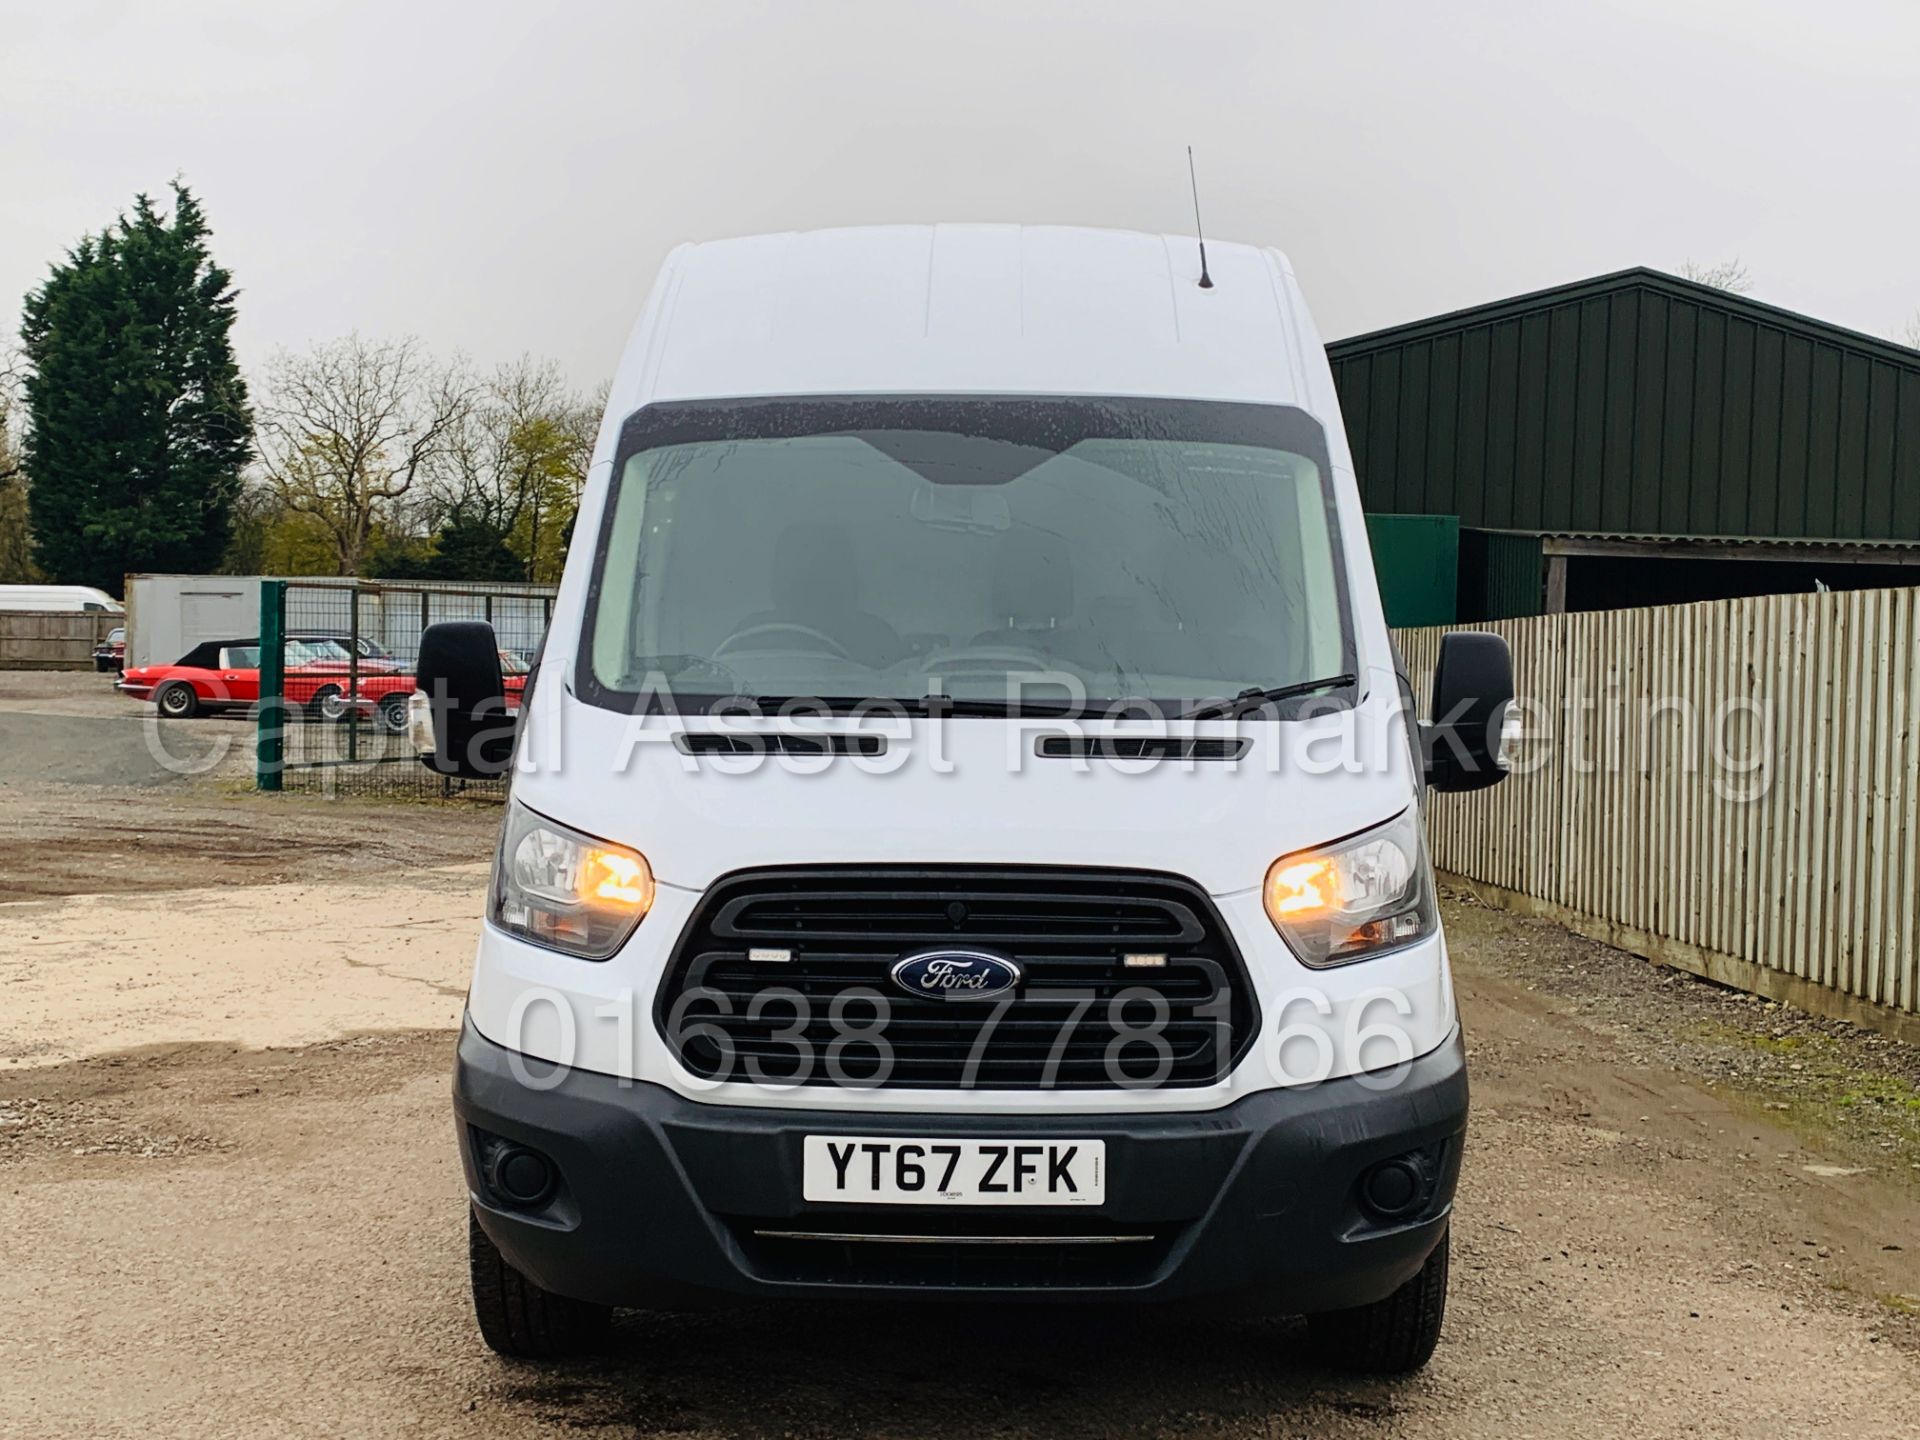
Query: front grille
x=784, y=977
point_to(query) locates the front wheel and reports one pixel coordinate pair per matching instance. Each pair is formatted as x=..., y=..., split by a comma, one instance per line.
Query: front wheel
x=1394, y=1336
x=177, y=701
x=518, y=1318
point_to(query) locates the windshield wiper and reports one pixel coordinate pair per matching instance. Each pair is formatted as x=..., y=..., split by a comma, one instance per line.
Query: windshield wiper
x=963, y=705
x=930, y=705
x=1254, y=697
x=770, y=706
x=639, y=667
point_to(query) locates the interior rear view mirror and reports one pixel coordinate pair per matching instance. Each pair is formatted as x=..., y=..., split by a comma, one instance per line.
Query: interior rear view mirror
x=962, y=507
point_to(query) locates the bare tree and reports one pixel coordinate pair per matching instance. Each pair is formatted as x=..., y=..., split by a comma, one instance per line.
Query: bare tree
x=517, y=459
x=1728, y=275
x=348, y=428
x=584, y=430
x=1909, y=334
x=503, y=448
x=12, y=461
x=16, y=535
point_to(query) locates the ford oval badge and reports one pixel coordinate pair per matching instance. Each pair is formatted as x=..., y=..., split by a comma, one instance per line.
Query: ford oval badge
x=956, y=974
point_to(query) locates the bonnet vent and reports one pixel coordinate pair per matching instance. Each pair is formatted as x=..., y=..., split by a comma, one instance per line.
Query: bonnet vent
x=1141, y=747
x=709, y=742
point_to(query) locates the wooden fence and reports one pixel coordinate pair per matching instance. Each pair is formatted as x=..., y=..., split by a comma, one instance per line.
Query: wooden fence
x=1731, y=787
x=52, y=639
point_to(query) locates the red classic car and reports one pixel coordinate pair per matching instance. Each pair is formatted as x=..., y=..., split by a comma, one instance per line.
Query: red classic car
x=319, y=677
x=513, y=671
x=225, y=675
x=373, y=659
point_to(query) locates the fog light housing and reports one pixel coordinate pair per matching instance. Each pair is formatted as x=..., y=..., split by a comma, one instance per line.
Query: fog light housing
x=1394, y=1189
x=519, y=1176
x=1404, y=1189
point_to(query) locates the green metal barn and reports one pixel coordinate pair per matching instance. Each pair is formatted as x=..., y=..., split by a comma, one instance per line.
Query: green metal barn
x=1638, y=439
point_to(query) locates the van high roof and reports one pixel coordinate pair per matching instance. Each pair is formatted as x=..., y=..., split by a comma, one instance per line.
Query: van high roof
x=981, y=309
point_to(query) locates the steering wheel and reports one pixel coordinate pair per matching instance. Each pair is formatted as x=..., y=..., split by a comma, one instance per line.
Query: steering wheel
x=737, y=640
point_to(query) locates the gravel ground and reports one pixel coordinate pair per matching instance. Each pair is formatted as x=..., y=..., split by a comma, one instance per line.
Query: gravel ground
x=1852, y=1088
x=72, y=727
x=250, y=1221
x=99, y=797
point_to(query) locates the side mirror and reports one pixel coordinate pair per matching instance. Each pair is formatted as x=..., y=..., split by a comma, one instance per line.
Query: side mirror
x=459, y=675
x=1465, y=743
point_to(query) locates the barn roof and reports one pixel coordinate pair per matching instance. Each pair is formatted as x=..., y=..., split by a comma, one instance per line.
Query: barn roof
x=1637, y=403
x=1642, y=278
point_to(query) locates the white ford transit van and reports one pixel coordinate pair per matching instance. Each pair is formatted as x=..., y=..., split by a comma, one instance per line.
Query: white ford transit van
x=965, y=832
x=72, y=598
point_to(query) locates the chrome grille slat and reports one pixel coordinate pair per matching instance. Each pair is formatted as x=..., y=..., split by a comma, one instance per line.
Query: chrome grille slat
x=854, y=1237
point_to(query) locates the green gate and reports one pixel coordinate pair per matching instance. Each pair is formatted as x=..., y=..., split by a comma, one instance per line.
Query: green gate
x=336, y=678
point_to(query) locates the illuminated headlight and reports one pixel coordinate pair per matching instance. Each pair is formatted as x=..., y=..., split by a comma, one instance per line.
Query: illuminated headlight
x=568, y=891
x=1344, y=902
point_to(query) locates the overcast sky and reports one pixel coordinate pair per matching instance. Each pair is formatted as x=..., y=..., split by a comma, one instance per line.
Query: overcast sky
x=506, y=177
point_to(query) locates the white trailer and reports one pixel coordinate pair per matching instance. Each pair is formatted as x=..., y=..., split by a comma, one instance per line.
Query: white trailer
x=167, y=615
x=171, y=613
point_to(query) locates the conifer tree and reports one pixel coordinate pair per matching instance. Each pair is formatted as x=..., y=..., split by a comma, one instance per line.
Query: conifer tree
x=139, y=425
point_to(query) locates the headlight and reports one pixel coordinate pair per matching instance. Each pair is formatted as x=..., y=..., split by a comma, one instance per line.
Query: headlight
x=559, y=888
x=1366, y=894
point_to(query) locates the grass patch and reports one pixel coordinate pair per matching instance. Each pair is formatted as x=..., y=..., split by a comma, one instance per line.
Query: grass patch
x=1764, y=1042
x=1818, y=1087
x=1887, y=1090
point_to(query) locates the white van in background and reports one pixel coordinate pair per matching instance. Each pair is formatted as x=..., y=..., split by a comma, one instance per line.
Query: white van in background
x=75, y=598
x=965, y=837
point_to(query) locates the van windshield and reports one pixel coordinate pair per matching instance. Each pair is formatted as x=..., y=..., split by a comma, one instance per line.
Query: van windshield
x=1023, y=554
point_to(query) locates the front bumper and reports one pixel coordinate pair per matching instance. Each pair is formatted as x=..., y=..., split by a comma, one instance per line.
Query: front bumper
x=661, y=1198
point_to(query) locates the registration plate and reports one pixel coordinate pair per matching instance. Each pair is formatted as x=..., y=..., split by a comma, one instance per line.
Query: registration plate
x=870, y=1170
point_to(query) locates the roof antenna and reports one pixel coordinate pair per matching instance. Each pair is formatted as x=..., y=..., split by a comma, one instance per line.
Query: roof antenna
x=1206, y=280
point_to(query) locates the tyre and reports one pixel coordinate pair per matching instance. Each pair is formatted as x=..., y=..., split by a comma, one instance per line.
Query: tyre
x=176, y=701
x=518, y=1318
x=1394, y=1336
x=394, y=707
